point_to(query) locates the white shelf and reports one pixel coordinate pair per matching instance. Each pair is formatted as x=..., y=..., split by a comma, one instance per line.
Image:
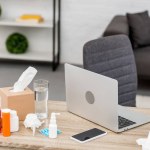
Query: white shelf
x=29, y=55
x=13, y=22
x=40, y=36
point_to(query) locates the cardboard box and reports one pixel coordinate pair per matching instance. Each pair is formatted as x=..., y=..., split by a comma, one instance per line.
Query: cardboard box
x=22, y=102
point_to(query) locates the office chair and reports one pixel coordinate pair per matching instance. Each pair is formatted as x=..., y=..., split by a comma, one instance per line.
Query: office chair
x=112, y=56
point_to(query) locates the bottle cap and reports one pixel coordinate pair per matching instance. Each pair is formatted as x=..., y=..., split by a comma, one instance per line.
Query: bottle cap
x=53, y=118
x=53, y=115
x=13, y=113
x=6, y=110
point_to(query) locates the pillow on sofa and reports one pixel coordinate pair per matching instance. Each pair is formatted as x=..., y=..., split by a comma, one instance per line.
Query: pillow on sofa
x=139, y=25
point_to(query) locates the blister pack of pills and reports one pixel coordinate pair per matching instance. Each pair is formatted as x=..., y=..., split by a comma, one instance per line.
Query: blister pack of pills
x=45, y=132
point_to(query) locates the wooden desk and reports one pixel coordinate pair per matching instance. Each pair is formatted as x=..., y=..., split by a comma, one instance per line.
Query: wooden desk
x=71, y=124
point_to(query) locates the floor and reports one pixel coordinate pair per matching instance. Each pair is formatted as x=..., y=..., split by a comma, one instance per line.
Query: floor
x=10, y=72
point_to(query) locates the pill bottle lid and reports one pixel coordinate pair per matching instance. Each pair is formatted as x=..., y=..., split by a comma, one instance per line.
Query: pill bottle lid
x=13, y=113
x=5, y=110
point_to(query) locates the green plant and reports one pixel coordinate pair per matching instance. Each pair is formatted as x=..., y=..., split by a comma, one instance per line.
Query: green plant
x=17, y=43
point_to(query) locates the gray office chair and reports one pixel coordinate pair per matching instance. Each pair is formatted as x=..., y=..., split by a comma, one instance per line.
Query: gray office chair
x=112, y=56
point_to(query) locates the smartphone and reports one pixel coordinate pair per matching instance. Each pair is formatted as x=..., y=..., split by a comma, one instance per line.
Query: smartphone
x=88, y=135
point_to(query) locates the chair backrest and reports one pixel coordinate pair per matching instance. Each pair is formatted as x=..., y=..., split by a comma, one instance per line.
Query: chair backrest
x=113, y=56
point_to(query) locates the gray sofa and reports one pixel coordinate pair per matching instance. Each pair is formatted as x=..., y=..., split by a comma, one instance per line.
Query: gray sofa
x=119, y=25
x=113, y=57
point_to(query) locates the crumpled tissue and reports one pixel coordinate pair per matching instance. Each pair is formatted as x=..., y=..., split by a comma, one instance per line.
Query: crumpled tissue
x=145, y=142
x=32, y=122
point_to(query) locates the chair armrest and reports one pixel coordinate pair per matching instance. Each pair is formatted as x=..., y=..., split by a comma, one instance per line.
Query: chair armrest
x=118, y=25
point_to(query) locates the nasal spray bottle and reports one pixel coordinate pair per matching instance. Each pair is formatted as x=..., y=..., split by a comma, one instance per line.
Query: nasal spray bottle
x=53, y=126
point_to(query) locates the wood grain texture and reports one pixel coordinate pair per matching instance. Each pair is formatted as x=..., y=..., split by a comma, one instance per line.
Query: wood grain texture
x=71, y=124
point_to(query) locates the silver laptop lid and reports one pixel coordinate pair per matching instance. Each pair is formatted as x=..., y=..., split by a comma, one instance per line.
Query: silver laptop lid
x=92, y=96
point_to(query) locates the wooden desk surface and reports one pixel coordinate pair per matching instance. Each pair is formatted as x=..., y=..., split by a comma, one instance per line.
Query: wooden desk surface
x=71, y=124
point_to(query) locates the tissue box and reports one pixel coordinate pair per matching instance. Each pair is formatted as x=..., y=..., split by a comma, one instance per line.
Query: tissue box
x=22, y=102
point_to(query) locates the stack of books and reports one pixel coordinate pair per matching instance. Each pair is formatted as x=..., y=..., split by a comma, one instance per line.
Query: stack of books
x=30, y=18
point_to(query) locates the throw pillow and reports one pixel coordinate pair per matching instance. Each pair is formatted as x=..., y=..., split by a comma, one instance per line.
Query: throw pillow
x=139, y=25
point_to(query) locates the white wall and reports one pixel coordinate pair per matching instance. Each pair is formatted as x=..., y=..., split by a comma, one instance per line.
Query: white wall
x=84, y=20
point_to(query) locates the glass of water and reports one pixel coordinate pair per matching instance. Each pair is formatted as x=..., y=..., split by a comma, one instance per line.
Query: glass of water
x=41, y=97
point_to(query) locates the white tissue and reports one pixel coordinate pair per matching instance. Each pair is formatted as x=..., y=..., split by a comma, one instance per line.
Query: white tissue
x=25, y=79
x=144, y=142
x=32, y=122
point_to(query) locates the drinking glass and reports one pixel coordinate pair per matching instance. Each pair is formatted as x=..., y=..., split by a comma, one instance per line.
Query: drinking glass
x=41, y=97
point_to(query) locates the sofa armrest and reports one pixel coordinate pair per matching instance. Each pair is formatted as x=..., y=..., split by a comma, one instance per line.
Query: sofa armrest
x=118, y=25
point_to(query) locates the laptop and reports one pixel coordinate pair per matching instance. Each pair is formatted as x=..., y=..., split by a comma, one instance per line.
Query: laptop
x=95, y=98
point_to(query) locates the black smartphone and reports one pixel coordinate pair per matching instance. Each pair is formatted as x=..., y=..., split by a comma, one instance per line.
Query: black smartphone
x=88, y=135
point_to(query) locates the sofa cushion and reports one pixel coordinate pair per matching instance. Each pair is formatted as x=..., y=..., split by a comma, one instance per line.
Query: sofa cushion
x=118, y=25
x=139, y=26
x=142, y=57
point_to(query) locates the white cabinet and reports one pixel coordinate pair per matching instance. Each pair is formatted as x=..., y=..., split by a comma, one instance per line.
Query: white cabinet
x=43, y=38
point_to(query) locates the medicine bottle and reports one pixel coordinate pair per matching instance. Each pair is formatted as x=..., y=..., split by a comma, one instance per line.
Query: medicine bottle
x=6, y=122
x=0, y=122
x=14, y=121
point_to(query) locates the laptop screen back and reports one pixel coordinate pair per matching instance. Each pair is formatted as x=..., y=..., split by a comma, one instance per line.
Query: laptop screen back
x=92, y=96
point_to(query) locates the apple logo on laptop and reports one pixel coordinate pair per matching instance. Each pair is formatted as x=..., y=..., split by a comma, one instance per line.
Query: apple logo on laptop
x=90, y=97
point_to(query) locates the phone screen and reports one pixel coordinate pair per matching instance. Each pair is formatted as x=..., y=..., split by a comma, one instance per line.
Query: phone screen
x=88, y=134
